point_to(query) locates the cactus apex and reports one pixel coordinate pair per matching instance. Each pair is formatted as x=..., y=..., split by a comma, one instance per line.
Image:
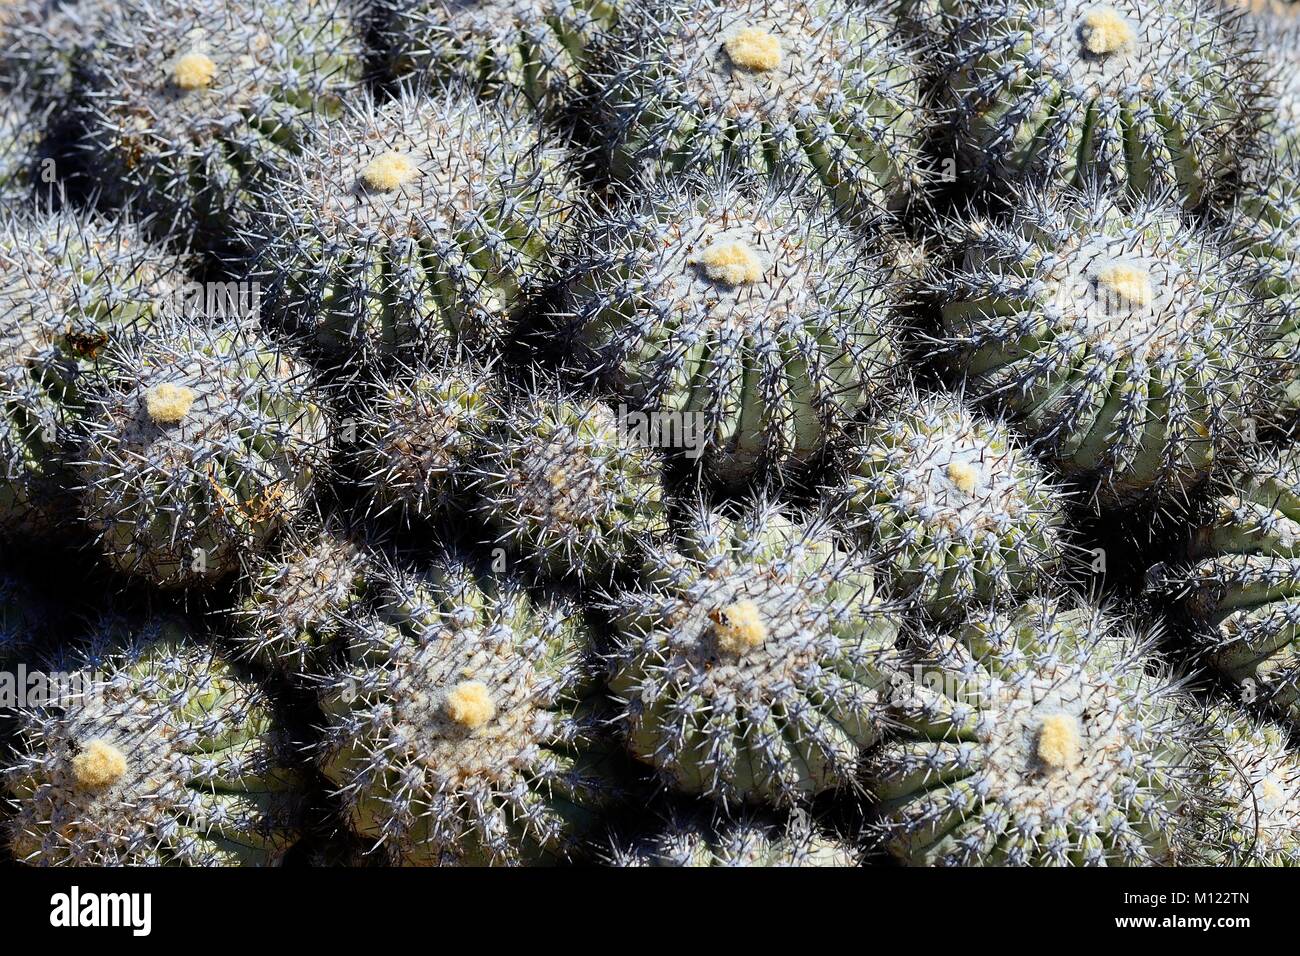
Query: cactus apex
x=470, y=704
x=739, y=628
x=1106, y=31
x=1059, y=741
x=193, y=71
x=731, y=262
x=388, y=171
x=751, y=48
x=168, y=403
x=98, y=766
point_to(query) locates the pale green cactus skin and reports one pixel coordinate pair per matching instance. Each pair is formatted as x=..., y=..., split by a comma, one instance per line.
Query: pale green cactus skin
x=752, y=662
x=183, y=502
x=750, y=841
x=958, y=511
x=513, y=776
x=205, y=780
x=442, y=258
x=564, y=484
x=189, y=153
x=1036, y=738
x=1138, y=96
x=758, y=374
x=1118, y=339
x=1253, y=779
x=418, y=434
x=540, y=47
x=842, y=106
x=1244, y=589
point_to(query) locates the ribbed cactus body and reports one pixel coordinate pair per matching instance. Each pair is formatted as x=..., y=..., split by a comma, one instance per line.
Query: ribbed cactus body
x=958, y=511
x=1244, y=589
x=562, y=482
x=1141, y=96
x=799, y=87
x=69, y=285
x=416, y=222
x=750, y=841
x=1036, y=738
x=752, y=662
x=540, y=47
x=19, y=136
x=459, y=734
x=197, y=445
x=750, y=330
x=294, y=617
x=1118, y=339
x=1254, y=783
x=184, y=105
x=158, y=753
x=418, y=435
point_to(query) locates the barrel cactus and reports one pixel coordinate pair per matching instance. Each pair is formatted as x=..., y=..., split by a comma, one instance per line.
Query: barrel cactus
x=1243, y=588
x=1119, y=339
x=562, y=482
x=159, y=753
x=419, y=221
x=197, y=444
x=1140, y=96
x=541, y=49
x=69, y=284
x=750, y=841
x=293, y=618
x=39, y=40
x=958, y=511
x=753, y=662
x=1253, y=777
x=1037, y=738
x=417, y=435
x=462, y=731
x=19, y=136
x=812, y=88
x=751, y=328
x=183, y=104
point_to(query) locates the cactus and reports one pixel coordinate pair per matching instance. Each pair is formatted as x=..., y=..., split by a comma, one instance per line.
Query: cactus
x=562, y=482
x=1119, y=340
x=24, y=619
x=1037, y=738
x=1244, y=586
x=294, y=616
x=19, y=137
x=460, y=732
x=383, y=234
x=158, y=753
x=39, y=39
x=68, y=285
x=1253, y=779
x=755, y=326
x=957, y=510
x=752, y=663
x=800, y=87
x=750, y=841
x=196, y=446
x=418, y=434
x=184, y=104
x=540, y=49
x=1140, y=96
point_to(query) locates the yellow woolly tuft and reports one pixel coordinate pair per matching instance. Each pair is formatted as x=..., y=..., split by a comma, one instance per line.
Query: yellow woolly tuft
x=1059, y=741
x=470, y=704
x=754, y=49
x=389, y=170
x=733, y=263
x=964, y=476
x=99, y=765
x=739, y=628
x=167, y=404
x=1126, y=285
x=1105, y=31
x=194, y=71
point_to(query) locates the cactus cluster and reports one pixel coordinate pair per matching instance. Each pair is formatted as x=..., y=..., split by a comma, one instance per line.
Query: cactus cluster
x=665, y=433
